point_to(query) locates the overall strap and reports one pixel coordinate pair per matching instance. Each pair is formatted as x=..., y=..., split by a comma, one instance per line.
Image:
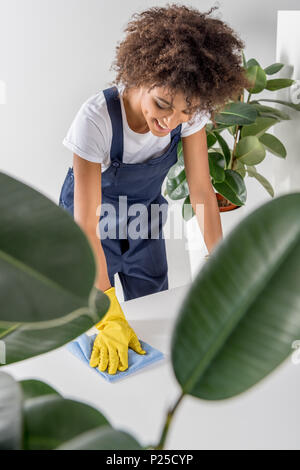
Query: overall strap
x=115, y=113
x=175, y=131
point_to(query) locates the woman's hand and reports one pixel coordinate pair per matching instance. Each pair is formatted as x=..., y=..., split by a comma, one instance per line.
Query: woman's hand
x=110, y=349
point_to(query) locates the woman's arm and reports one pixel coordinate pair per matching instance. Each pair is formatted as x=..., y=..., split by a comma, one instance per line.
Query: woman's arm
x=201, y=190
x=87, y=199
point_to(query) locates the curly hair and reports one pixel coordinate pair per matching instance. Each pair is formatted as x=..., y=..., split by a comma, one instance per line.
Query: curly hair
x=186, y=51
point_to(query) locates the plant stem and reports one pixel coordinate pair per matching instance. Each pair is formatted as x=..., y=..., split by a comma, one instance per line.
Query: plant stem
x=9, y=330
x=165, y=430
x=234, y=146
x=237, y=129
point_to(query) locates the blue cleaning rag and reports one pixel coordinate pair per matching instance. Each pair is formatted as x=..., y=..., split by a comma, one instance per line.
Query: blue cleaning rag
x=82, y=347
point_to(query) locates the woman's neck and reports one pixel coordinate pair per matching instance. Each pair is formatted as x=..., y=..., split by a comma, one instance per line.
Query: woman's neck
x=132, y=104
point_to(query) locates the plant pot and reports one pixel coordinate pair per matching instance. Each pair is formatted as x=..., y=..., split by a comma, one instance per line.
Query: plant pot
x=224, y=204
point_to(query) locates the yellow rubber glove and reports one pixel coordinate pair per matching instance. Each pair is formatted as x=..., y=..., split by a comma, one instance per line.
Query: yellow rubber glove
x=111, y=345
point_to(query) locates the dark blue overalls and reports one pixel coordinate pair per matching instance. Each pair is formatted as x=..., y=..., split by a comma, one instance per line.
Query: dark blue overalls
x=140, y=262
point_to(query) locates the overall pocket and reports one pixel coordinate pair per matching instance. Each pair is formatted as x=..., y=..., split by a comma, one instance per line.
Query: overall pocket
x=66, y=198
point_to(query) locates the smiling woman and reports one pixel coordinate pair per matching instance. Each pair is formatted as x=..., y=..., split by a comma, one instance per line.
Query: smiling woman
x=155, y=110
x=175, y=67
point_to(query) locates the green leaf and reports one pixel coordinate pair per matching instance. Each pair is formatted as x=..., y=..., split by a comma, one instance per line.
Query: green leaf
x=233, y=188
x=179, y=147
x=176, y=186
x=180, y=159
x=250, y=150
x=251, y=170
x=35, y=388
x=51, y=420
x=244, y=60
x=103, y=438
x=257, y=77
x=47, y=265
x=10, y=413
x=279, y=83
x=222, y=127
x=209, y=127
x=48, y=258
x=187, y=209
x=285, y=103
x=219, y=128
x=268, y=111
x=252, y=63
x=262, y=180
x=27, y=340
x=236, y=114
x=241, y=316
x=225, y=148
x=273, y=145
x=176, y=172
x=216, y=166
x=211, y=139
x=232, y=130
x=259, y=127
x=274, y=68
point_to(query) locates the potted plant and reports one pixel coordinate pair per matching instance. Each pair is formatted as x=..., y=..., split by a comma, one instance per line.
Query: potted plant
x=218, y=350
x=246, y=122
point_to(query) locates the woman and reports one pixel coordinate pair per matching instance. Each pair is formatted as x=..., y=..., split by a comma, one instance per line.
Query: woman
x=175, y=68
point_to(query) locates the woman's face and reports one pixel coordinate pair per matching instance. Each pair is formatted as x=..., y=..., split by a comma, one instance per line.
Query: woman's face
x=163, y=115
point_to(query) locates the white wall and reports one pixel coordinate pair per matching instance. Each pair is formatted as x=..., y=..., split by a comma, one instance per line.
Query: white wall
x=55, y=54
x=286, y=173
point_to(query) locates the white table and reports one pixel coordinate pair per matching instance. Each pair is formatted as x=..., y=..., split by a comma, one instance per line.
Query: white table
x=266, y=417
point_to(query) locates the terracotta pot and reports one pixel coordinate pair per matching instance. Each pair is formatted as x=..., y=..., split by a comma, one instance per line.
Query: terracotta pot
x=224, y=204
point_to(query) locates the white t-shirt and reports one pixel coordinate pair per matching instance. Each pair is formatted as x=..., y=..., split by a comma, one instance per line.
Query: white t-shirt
x=90, y=134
